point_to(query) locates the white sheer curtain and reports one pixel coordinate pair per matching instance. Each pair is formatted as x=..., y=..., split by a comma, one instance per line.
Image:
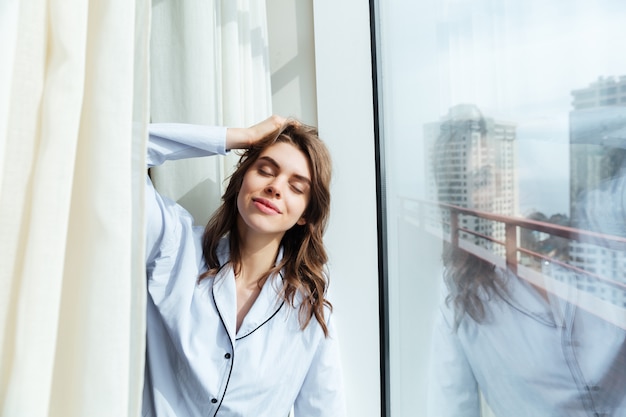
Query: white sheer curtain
x=209, y=65
x=74, y=88
x=73, y=83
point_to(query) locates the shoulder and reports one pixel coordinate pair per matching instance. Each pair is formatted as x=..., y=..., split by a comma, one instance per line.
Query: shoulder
x=178, y=228
x=177, y=248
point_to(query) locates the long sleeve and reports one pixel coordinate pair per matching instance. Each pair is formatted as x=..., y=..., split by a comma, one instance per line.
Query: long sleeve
x=453, y=390
x=322, y=393
x=171, y=141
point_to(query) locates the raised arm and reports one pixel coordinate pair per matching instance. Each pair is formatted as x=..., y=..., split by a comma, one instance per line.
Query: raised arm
x=241, y=138
x=170, y=141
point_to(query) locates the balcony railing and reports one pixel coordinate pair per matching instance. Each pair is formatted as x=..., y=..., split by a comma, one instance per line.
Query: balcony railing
x=612, y=307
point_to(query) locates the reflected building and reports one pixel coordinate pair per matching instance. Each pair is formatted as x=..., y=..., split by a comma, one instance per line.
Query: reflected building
x=597, y=170
x=471, y=163
x=606, y=91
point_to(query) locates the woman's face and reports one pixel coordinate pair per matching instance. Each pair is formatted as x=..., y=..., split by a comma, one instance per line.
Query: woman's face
x=275, y=191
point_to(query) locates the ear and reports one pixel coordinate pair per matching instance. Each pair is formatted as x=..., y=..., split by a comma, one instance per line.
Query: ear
x=301, y=221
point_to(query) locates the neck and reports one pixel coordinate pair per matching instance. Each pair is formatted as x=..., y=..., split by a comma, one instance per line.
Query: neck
x=258, y=255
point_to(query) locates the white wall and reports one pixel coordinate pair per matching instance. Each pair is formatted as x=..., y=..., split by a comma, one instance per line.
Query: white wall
x=321, y=73
x=292, y=58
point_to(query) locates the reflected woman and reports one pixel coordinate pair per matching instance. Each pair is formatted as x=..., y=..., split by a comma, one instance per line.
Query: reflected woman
x=528, y=351
x=238, y=320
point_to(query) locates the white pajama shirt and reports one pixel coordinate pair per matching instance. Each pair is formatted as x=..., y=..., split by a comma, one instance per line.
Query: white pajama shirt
x=197, y=363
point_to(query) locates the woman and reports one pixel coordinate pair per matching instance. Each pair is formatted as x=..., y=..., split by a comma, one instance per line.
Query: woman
x=238, y=322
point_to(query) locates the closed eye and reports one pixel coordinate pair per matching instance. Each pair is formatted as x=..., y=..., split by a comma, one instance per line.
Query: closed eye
x=299, y=186
x=264, y=171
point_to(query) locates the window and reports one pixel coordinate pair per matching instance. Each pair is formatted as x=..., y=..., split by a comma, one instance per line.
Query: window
x=503, y=123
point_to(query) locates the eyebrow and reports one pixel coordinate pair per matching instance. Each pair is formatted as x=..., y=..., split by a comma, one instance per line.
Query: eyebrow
x=273, y=162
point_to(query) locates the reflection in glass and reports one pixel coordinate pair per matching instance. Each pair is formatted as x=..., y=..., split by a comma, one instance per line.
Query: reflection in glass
x=535, y=338
x=505, y=142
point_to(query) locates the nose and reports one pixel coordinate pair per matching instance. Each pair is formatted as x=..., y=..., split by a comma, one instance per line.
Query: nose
x=273, y=189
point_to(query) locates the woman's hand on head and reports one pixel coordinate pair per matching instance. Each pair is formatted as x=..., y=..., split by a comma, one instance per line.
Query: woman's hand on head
x=241, y=138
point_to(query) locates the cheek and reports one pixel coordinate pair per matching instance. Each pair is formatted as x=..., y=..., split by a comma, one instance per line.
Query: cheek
x=303, y=206
x=251, y=183
x=246, y=185
x=240, y=199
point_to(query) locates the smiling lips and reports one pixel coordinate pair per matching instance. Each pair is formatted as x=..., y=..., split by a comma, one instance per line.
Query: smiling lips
x=265, y=206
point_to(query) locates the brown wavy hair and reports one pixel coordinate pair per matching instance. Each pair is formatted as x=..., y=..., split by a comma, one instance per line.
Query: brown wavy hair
x=304, y=259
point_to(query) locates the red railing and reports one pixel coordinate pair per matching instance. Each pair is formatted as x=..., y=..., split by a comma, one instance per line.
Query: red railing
x=511, y=228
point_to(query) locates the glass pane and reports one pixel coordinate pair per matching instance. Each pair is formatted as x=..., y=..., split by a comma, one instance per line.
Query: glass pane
x=504, y=138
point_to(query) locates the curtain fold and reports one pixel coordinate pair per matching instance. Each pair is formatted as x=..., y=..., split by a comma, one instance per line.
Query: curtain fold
x=209, y=65
x=75, y=95
x=73, y=123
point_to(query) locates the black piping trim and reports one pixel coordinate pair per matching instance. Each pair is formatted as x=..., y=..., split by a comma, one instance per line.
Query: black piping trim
x=381, y=206
x=269, y=318
x=232, y=359
x=261, y=325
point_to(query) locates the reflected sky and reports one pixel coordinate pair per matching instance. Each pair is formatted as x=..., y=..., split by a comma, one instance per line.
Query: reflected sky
x=517, y=61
